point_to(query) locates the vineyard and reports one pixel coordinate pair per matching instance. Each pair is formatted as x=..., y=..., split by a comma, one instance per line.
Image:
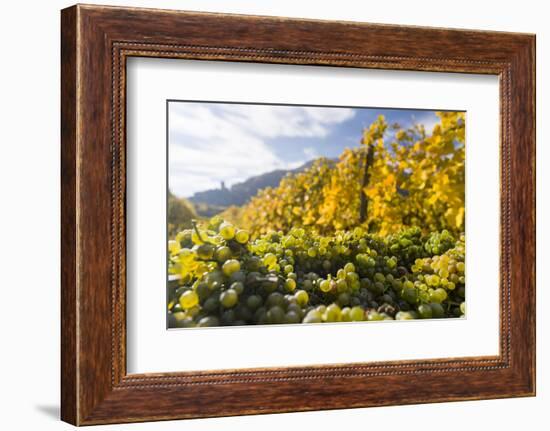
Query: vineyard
x=375, y=235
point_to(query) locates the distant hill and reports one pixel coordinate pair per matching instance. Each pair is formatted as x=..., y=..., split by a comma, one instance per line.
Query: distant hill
x=213, y=201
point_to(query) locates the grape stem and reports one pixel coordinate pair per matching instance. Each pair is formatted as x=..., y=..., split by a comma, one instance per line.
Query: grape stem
x=196, y=229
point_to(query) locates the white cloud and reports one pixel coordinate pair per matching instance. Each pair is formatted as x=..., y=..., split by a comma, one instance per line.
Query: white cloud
x=210, y=143
x=311, y=153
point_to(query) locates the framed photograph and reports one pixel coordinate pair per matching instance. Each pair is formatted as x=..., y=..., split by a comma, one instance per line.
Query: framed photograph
x=289, y=207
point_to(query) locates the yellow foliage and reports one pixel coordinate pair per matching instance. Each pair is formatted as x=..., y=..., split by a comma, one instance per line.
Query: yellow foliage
x=415, y=179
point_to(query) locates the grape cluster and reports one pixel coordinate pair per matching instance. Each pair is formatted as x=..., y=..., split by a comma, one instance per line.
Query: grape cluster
x=223, y=277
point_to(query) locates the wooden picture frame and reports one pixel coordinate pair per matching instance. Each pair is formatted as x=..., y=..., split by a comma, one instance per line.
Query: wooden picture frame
x=95, y=43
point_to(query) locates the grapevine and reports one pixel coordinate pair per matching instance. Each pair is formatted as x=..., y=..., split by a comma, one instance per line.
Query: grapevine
x=222, y=276
x=415, y=179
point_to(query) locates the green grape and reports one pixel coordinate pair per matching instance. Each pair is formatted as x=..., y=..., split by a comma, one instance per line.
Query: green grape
x=425, y=311
x=376, y=288
x=289, y=299
x=228, y=317
x=274, y=299
x=242, y=236
x=290, y=285
x=211, y=304
x=302, y=297
x=295, y=308
x=346, y=317
x=325, y=286
x=463, y=307
x=183, y=236
x=352, y=281
x=237, y=287
x=275, y=315
x=379, y=277
x=177, y=317
x=404, y=315
x=437, y=310
x=333, y=313
x=242, y=312
x=205, y=251
x=269, y=285
x=254, y=301
x=414, y=314
x=270, y=259
x=438, y=295
x=439, y=242
x=357, y=314
x=409, y=295
x=186, y=322
x=341, y=285
x=189, y=299
x=343, y=299
x=214, y=277
x=203, y=291
x=433, y=280
x=253, y=263
x=374, y=316
x=292, y=317
x=260, y=316
x=229, y=298
x=231, y=266
x=441, y=294
x=223, y=253
x=313, y=316
x=349, y=267
x=386, y=298
x=366, y=283
x=289, y=241
x=321, y=308
x=227, y=231
x=355, y=285
x=307, y=285
x=238, y=276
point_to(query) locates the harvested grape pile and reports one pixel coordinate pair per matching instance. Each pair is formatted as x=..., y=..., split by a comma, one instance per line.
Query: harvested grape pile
x=225, y=278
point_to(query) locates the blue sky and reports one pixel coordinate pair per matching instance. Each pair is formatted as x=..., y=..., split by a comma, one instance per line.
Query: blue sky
x=214, y=142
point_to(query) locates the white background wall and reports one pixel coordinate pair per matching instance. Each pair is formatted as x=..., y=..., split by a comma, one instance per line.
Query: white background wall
x=29, y=214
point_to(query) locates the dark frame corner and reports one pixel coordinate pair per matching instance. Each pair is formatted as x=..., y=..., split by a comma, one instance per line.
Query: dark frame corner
x=95, y=43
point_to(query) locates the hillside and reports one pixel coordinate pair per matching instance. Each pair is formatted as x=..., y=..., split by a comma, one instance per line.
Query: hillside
x=213, y=201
